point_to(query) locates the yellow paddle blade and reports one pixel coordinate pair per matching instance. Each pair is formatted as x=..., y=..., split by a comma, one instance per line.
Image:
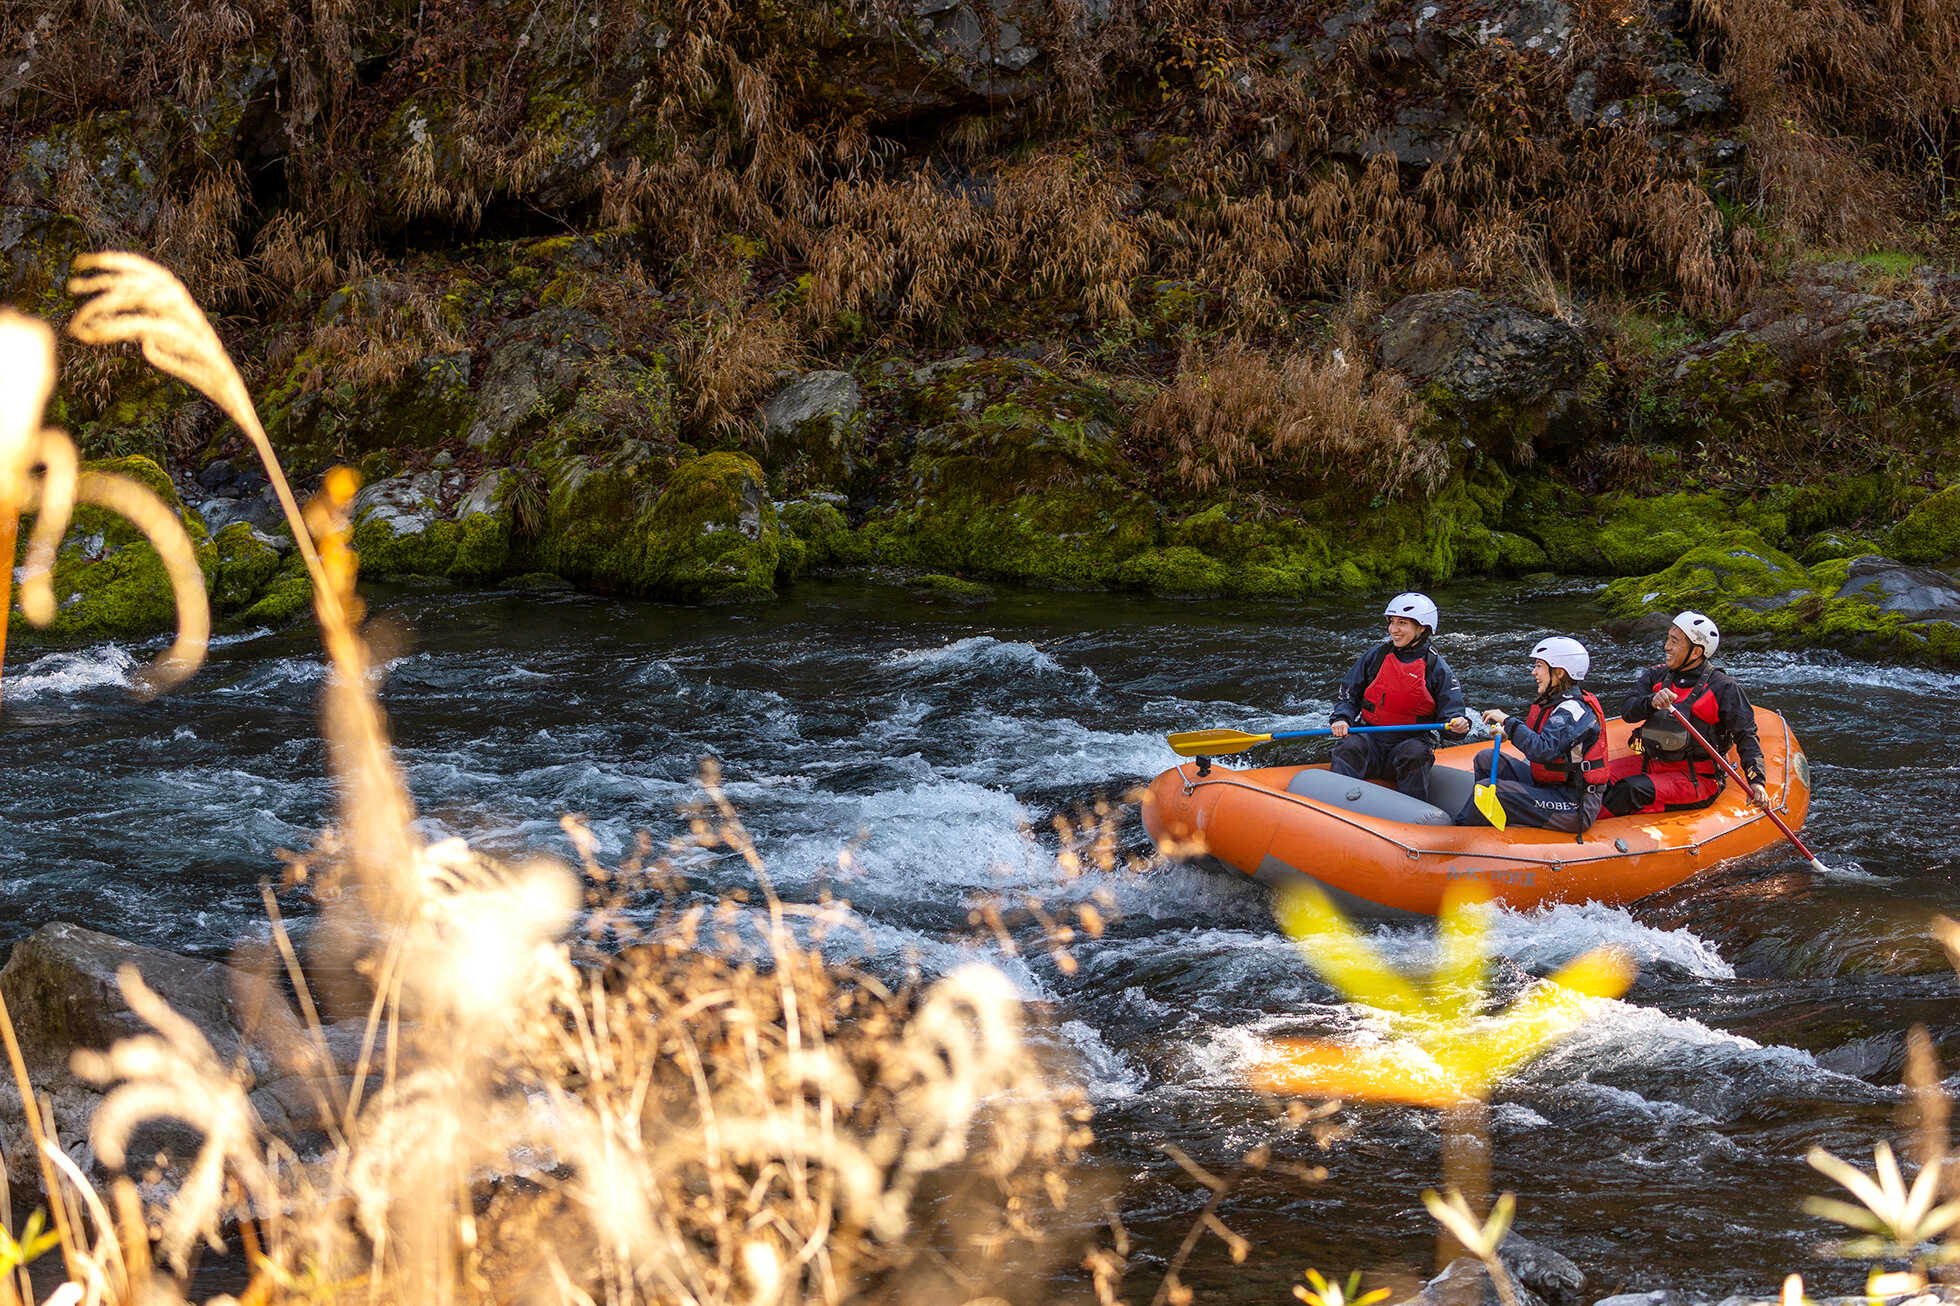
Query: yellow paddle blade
x=1213, y=743
x=1488, y=804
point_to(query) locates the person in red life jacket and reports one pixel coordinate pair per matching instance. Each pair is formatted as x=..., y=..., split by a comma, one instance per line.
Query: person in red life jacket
x=1560, y=782
x=1669, y=772
x=1399, y=682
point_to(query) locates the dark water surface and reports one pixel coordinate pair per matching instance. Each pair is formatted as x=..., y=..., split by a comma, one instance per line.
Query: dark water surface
x=1660, y=1146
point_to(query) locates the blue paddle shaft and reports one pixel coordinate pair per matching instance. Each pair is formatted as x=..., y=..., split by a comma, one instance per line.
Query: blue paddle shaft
x=1358, y=730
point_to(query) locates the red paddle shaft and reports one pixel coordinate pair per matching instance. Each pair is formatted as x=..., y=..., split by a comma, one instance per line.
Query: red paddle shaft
x=1737, y=776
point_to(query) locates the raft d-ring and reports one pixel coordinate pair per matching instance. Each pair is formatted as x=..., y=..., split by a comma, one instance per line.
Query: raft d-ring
x=1555, y=866
x=1415, y=854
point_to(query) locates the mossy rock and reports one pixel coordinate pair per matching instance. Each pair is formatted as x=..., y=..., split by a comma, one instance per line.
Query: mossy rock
x=1829, y=546
x=245, y=565
x=1743, y=583
x=706, y=530
x=1644, y=533
x=713, y=534
x=1063, y=537
x=821, y=529
x=1178, y=570
x=108, y=580
x=287, y=594
x=1930, y=532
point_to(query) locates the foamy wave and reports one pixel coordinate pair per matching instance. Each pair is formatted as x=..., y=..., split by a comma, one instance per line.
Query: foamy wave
x=1545, y=938
x=1110, y=1074
x=1070, y=753
x=1679, y=1059
x=59, y=675
x=979, y=651
x=1801, y=669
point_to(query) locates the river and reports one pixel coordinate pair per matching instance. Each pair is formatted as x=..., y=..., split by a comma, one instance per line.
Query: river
x=1660, y=1146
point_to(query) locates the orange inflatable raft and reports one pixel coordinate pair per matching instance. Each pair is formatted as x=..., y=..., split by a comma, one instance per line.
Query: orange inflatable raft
x=1378, y=853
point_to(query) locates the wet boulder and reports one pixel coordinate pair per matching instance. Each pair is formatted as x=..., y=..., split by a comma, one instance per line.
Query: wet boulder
x=1506, y=378
x=1465, y=1282
x=1915, y=593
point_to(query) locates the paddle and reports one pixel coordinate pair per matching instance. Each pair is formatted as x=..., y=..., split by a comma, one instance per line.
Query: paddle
x=1218, y=743
x=1486, y=794
x=1737, y=776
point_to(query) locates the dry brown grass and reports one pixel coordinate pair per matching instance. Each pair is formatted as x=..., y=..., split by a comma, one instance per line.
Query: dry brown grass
x=731, y=353
x=1236, y=415
x=1852, y=107
x=926, y=255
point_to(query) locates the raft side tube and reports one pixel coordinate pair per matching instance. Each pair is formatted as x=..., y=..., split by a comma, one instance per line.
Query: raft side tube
x=1363, y=798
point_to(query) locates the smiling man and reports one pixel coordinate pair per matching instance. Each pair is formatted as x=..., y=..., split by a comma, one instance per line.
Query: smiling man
x=1669, y=772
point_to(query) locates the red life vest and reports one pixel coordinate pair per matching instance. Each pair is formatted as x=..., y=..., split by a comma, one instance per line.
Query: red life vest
x=1590, y=766
x=1665, y=745
x=1399, y=694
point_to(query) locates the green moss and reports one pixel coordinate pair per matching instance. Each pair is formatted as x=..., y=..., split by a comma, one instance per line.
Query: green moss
x=949, y=589
x=1930, y=532
x=1743, y=583
x=1828, y=546
x=713, y=532
x=245, y=566
x=820, y=528
x=709, y=533
x=289, y=593
x=483, y=546
x=1179, y=570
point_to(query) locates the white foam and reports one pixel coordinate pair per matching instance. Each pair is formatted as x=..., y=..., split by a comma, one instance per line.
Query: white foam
x=1776, y=667
x=1545, y=938
x=979, y=651
x=1070, y=753
x=60, y=675
x=1111, y=1074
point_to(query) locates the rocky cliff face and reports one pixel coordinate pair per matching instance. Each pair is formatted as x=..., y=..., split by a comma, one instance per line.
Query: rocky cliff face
x=945, y=285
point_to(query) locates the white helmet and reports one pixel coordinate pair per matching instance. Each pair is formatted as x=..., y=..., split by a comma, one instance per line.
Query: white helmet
x=1700, y=631
x=1566, y=653
x=1416, y=607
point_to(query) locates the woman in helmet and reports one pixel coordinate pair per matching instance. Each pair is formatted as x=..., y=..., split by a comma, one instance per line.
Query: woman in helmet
x=1668, y=771
x=1399, y=682
x=1563, y=737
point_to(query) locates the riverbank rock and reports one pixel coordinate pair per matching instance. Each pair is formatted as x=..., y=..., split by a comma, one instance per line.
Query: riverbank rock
x=61, y=989
x=812, y=430
x=1510, y=380
x=429, y=524
x=1868, y=604
x=108, y=580
x=703, y=530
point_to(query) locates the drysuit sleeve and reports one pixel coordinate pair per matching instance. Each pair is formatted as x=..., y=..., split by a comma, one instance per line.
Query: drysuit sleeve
x=1571, y=724
x=1347, y=706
